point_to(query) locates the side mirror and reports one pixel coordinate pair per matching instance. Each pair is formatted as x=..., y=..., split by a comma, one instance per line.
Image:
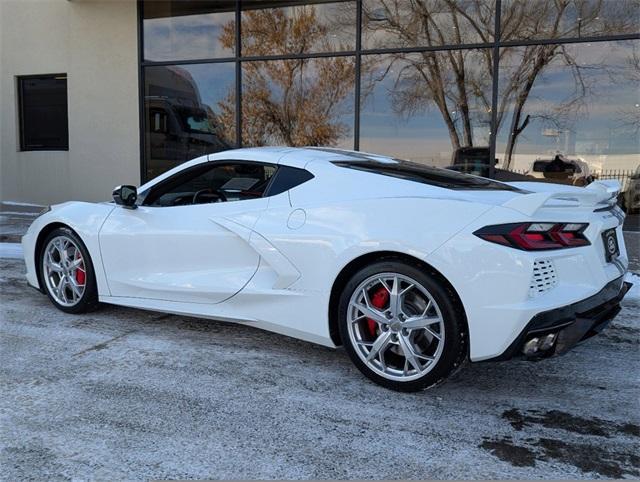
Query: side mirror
x=125, y=196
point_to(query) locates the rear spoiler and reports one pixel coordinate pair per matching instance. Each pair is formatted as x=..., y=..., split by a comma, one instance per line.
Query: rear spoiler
x=596, y=194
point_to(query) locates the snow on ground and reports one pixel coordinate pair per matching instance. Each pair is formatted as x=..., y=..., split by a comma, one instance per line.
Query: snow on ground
x=133, y=395
x=18, y=213
x=634, y=292
x=11, y=251
x=16, y=203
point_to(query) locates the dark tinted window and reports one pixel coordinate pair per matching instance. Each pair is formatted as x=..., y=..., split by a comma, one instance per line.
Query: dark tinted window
x=415, y=172
x=43, y=113
x=287, y=178
x=555, y=166
x=539, y=166
x=212, y=182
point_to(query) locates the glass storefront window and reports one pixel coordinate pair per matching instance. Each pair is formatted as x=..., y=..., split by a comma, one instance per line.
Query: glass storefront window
x=582, y=107
x=298, y=102
x=544, y=19
x=399, y=23
x=291, y=27
x=189, y=111
x=580, y=101
x=426, y=106
x=177, y=30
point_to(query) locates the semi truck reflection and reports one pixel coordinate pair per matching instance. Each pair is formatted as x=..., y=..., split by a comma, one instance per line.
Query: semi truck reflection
x=180, y=126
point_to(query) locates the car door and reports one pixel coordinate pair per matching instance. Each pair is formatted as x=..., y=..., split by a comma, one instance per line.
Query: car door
x=187, y=240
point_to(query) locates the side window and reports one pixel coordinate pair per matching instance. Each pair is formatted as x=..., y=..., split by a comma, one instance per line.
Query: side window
x=287, y=178
x=211, y=183
x=157, y=120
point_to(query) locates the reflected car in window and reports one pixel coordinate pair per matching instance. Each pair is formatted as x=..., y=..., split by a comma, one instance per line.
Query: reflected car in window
x=629, y=199
x=561, y=170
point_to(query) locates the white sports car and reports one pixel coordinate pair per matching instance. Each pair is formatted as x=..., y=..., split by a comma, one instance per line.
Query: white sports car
x=412, y=269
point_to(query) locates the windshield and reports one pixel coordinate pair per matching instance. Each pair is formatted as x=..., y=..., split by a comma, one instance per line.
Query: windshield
x=539, y=166
x=194, y=120
x=412, y=171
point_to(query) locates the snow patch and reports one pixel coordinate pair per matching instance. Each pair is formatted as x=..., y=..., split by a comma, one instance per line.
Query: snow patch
x=634, y=292
x=16, y=203
x=11, y=250
x=18, y=213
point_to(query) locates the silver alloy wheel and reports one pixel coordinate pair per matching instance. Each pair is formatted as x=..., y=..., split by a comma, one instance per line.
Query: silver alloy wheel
x=400, y=333
x=64, y=270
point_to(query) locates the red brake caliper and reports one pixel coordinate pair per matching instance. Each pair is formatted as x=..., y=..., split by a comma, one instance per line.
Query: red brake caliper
x=379, y=300
x=80, y=275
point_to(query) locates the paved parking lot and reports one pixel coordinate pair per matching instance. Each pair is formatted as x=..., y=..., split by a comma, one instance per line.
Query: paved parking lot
x=129, y=394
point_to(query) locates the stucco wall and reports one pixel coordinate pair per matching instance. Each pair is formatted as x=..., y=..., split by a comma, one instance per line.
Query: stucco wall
x=95, y=44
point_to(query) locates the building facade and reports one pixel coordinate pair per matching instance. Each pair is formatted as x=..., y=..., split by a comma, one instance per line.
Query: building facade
x=99, y=93
x=92, y=48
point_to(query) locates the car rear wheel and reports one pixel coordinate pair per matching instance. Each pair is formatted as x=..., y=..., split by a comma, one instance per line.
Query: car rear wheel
x=401, y=327
x=67, y=272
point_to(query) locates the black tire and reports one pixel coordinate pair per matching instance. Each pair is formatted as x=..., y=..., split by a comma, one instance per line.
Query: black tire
x=89, y=299
x=454, y=352
x=622, y=202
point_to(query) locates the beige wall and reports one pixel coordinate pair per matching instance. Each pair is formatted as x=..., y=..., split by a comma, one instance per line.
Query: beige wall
x=95, y=44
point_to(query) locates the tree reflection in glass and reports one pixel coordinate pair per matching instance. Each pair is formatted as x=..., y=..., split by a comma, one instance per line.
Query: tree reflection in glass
x=426, y=94
x=584, y=103
x=412, y=103
x=426, y=23
x=423, y=98
x=293, y=102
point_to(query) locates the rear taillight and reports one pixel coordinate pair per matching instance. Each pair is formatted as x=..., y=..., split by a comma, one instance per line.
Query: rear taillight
x=536, y=236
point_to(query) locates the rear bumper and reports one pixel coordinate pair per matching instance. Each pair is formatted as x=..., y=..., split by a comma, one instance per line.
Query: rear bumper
x=571, y=324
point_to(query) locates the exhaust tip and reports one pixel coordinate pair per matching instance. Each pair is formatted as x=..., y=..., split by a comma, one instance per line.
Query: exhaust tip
x=539, y=344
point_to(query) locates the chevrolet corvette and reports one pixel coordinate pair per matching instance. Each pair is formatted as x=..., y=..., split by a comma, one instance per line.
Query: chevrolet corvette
x=412, y=269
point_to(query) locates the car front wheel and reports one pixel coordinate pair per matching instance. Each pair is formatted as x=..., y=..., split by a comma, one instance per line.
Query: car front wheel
x=67, y=272
x=401, y=327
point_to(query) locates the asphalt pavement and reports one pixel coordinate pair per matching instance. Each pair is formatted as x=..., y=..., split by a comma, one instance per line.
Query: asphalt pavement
x=130, y=394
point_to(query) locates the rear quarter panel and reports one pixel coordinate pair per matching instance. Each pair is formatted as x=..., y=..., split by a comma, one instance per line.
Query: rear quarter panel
x=334, y=234
x=331, y=236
